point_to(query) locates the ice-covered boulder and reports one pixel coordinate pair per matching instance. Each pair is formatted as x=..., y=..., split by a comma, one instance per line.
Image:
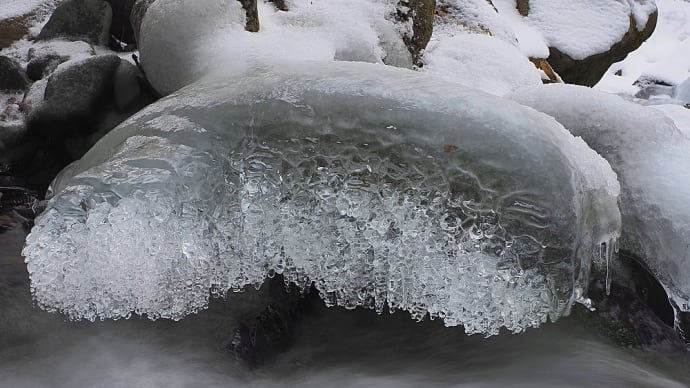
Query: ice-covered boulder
x=650, y=156
x=383, y=186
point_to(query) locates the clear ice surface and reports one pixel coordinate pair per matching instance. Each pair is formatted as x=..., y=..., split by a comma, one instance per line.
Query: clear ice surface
x=650, y=156
x=384, y=187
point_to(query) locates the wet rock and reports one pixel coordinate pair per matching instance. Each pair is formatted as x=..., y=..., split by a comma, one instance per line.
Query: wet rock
x=87, y=20
x=40, y=67
x=261, y=337
x=12, y=76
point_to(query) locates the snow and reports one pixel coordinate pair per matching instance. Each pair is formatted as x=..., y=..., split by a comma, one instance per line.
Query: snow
x=650, y=156
x=177, y=49
x=678, y=114
x=13, y=8
x=481, y=62
x=665, y=56
x=530, y=40
x=471, y=16
x=384, y=186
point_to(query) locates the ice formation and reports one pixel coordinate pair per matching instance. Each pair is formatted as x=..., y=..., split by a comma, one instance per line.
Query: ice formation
x=383, y=186
x=650, y=156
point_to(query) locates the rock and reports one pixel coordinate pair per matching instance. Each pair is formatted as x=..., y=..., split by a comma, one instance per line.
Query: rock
x=87, y=20
x=12, y=77
x=74, y=94
x=137, y=16
x=126, y=86
x=421, y=12
x=523, y=7
x=40, y=67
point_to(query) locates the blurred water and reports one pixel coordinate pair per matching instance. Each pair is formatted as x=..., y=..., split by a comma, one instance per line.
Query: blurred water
x=332, y=347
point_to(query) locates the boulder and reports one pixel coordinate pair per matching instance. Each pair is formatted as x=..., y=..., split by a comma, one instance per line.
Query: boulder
x=12, y=76
x=74, y=94
x=87, y=20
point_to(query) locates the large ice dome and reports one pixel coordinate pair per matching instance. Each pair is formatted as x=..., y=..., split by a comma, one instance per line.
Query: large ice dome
x=385, y=187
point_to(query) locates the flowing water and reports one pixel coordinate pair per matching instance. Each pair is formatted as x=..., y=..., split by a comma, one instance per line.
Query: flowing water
x=331, y=347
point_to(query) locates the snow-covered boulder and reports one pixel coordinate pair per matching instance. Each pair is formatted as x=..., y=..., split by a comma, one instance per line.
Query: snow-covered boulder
x=383, y=186
x=74, y=93
x=650, y=156
x=182, y=41
x=585, y=37
x=87, y=20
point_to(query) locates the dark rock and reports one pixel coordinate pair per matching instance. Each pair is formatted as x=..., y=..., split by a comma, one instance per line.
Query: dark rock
x=73, y=95
x=87, y=20
x=121, y=31
x=634, y=323
x=523, y=7
x=589, y=71
x=260, y=338
x=40, y=67
x=252, y=13
x=137, y=15
x=12, y=76
x=127, y=87
x=421, y=12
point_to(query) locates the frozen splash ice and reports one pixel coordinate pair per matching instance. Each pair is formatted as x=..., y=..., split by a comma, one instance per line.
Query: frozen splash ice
x=384, y=187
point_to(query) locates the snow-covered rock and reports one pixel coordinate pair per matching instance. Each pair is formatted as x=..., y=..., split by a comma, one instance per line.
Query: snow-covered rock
x=583, y=37
x=383, y=186
x=650, y=156
x=180, y=41
x=87, y=20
